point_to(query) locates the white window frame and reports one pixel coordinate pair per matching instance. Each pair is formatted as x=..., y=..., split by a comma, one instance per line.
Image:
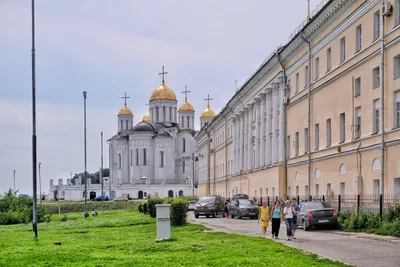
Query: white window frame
x=342, y=127
x=376, y=28
x=317, y=68
x=328, y=132
x=375, y=77
x=357, y=87
x=358, y=38
x=342, y=50
x=316, y=133
x=329, y=59
x=358, y=121
x=375, y=116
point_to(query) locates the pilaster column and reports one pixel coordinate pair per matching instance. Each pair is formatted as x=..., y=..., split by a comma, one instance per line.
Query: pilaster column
x=234, y=143
x=262, y=137
x=241, y=115
x=237, y=143
x=250, y=135
x=245, y=139
x=281, y=122
x=268, y=147
x=257, y=138
x=275, y=99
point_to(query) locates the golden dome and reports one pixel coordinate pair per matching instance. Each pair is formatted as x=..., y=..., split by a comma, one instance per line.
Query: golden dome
x=163, y=93
x=208, y=113
x=186, y=106
x=125, y=111
x=146, y=117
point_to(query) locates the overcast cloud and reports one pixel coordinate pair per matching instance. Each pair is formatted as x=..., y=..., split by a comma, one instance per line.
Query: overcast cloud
x=109, y=47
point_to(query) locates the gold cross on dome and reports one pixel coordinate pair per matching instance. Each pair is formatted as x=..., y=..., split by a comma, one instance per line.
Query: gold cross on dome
x=186, y=92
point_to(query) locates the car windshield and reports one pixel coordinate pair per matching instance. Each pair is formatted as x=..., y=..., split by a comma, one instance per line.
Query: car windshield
x=317, y=205
x=207, y=200
x=246, y=202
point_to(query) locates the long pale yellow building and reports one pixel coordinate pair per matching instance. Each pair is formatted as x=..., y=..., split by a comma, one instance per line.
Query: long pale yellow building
x=332, y=90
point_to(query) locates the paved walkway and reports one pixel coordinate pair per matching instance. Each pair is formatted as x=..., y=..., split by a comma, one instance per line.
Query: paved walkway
x=363, y=250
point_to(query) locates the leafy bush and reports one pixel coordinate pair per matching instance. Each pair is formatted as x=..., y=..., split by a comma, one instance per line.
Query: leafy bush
x=179, y=209
x=14, y=210
x=144, y=207
x=140, y=207
x=151, y=205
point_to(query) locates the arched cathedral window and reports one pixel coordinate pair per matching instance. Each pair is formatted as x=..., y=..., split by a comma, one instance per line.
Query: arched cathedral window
x=188, y=123
x=144, y=157
x=119, y=161
x=183, y=122
x=183, y=145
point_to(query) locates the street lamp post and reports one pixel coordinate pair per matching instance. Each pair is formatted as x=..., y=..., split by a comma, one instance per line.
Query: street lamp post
x=34, y=153
x=40, y=184
x=84, y=138
x=101, y=176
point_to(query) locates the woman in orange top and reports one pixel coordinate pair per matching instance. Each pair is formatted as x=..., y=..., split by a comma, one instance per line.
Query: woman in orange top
x=263, y=218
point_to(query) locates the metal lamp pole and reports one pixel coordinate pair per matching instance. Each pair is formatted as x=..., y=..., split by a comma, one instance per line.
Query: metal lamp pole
x=40, y=184
x=34, y=153
x=84, y=137
x=101, y=176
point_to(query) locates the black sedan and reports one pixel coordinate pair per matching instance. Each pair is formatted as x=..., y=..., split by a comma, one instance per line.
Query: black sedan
x=316, y=213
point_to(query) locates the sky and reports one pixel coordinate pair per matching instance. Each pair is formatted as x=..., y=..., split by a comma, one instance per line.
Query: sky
x=111, y=47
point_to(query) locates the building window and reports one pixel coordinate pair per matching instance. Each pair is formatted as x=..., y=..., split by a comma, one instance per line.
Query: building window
x=144, y=157
x=397, y=189
x=358, y=38
x=342, y=127
x=316, y=141
x=316, y=193
x=306, y=76
x=342, y=50
x=397, y=109
x=296, y=144
x=188, y=122
x=183, y=145
x=131, y=157
x=376, y=25
x=137, y=157
x=122, y=125
x=288, y=147
x=161, y=159
x=376, y=189
x=307, y=193
x=375, y=78
x=375, y=116
x=119, y=161
x=289, y=192
x=357, y=87
x=328, y=133
x=297, y=82
x=328, y=59
x=357, y=127
x=170, y=113
x=305, y=140
x=288, y=89
x=183, y=121
x=396, y=12
x=297, y=191
x=157, y=114
x=342, y=191
x=183, y=166
x=164, y=114
x=396, y=66
x=317, y=68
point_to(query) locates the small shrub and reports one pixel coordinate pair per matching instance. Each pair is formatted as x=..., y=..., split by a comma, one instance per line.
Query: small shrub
x=64, y=218
x=151, y=205
x=140, y=207
x=179, y=209
x=145, y=208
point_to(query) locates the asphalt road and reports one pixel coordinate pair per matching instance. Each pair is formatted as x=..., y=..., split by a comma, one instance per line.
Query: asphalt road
x=358, y=249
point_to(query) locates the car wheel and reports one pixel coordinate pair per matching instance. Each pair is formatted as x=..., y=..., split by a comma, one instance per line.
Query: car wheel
x=232, y=216
x=305, y=228
x=196, y=216
x=239, y=217
x=207, y=216
x=214, y=214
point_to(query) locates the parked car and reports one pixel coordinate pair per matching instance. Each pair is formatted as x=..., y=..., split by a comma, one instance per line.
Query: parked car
x=243, y=208
x=209, y=206
x=240, y=196
x=100, y=198
x=121, y=198
x=192, y=205
x=316, y=213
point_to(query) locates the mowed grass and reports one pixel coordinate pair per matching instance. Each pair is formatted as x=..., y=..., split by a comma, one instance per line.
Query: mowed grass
x=127, y=238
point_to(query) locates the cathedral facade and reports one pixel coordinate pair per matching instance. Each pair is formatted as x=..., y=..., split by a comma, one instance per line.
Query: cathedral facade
x=154, y=157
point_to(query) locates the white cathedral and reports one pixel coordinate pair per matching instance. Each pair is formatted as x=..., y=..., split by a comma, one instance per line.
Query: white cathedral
x=156, y=157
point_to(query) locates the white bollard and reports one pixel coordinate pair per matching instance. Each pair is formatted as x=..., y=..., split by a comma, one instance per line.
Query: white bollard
x=163, y=221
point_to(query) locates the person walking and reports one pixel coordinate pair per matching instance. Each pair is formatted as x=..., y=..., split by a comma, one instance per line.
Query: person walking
x=263, y=217
x=276, y=219
x=288, y=212
x=296, y=210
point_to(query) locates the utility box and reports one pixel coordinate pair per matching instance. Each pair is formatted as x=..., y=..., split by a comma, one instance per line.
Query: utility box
x=163, y=221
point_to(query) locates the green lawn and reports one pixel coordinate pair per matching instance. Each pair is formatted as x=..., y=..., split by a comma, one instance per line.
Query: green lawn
x=127, y=238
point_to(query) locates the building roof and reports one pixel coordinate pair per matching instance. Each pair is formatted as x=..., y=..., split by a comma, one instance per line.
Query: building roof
x=143, y=126
x=208, y=112
x=186, y=106
x=125, y=111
